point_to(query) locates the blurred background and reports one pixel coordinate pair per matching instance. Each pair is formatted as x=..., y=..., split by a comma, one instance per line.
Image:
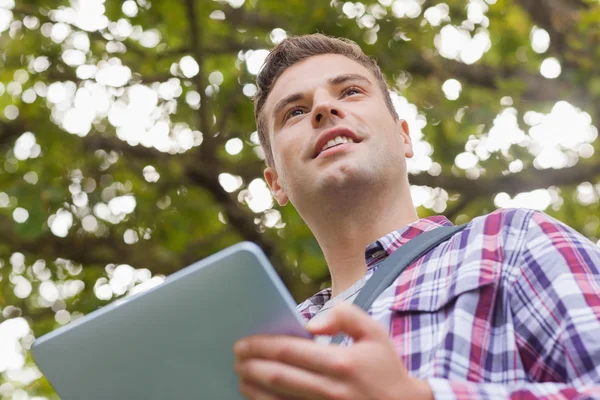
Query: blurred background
x=128, y=147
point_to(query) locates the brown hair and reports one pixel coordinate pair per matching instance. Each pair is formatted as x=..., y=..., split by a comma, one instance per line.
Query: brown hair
x=298, y=48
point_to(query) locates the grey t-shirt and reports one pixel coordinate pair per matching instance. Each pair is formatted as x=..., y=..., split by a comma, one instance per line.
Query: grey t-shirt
x=347, y=295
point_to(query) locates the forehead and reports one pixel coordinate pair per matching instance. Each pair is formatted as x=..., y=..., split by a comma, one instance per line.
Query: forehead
x=312, y=73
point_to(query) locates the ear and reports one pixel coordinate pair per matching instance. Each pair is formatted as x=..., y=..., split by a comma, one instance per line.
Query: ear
x=273, y=181
x=405, y=133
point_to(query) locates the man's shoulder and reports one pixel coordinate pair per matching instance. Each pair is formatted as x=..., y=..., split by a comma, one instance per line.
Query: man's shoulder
x=510, y=220
x=521, y=228
x=521, y=219
x=510, y=228
x=311, y=306
x=504, y=217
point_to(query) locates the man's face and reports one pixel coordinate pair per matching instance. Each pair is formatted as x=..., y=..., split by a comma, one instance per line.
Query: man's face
x=330, y=128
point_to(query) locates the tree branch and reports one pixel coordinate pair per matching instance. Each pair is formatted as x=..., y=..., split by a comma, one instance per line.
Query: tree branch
x=557, y=18
x=193, y=251
x=538, y=88
x=205, y=174
x=223, y=48
x=90, y=250
x=100, y=142
x=244, y=17
x=200, y=79
x=240, y=219
x=528, y=180
x=229, y=107
x=464, y=201
x=10, y=131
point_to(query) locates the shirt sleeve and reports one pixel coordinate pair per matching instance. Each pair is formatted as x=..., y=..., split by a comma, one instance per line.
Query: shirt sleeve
x=554, y=297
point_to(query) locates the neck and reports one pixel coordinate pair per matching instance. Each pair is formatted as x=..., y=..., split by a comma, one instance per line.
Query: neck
x=345, y=228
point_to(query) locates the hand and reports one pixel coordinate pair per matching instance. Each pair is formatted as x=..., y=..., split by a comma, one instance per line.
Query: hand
x=285, y=367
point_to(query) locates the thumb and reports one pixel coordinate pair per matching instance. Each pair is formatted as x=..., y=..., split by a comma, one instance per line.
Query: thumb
x=349, y=319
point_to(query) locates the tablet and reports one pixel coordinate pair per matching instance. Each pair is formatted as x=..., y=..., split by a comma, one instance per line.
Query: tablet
x=175, y=340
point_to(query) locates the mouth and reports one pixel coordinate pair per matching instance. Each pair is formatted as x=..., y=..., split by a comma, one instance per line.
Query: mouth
x=335, y=145
x=335, y=140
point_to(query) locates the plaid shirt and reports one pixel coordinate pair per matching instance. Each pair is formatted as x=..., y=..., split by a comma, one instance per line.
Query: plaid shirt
x=507, y=308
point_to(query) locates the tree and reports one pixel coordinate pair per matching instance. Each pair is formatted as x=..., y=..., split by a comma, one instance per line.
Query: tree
x=128, y=144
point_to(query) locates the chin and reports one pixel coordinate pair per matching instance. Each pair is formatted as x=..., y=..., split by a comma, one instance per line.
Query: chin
x=342, y=179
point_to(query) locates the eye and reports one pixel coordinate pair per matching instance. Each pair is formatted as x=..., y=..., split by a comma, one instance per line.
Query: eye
x=294, y=112
x=352, y=91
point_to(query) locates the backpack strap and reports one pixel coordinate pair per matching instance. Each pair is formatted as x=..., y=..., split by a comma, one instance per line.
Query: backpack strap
x=396, y=263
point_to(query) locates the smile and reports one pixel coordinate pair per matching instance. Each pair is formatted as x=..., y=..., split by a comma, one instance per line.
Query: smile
x=338, y=140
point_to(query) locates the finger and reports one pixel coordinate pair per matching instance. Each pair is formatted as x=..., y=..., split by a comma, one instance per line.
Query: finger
x=300, y=353
x=349, y=319
x=287, y=381
x=254, y=392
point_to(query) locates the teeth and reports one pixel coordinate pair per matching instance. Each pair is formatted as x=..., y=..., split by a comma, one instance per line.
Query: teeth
x=336, y=141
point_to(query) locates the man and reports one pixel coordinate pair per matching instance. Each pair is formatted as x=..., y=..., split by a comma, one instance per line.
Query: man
x=507, y=308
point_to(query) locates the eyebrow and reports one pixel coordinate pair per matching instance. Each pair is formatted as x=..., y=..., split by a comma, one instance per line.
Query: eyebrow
x=334, y=81
x=337, y=80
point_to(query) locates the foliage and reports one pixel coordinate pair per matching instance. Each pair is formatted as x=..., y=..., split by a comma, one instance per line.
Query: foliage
x=91, y=210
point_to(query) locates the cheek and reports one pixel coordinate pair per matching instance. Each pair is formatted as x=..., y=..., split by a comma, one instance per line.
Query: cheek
x=290, y=143
x=377, y=118
x=285, y=155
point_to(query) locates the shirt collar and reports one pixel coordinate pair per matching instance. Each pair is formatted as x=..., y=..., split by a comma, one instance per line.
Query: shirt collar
x=386, y=245
x=374, y=254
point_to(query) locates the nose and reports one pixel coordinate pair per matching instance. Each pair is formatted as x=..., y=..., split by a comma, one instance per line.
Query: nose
x=325, y=108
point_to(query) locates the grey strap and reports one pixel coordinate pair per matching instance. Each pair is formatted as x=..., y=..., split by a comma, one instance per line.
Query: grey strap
x=392, y=267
